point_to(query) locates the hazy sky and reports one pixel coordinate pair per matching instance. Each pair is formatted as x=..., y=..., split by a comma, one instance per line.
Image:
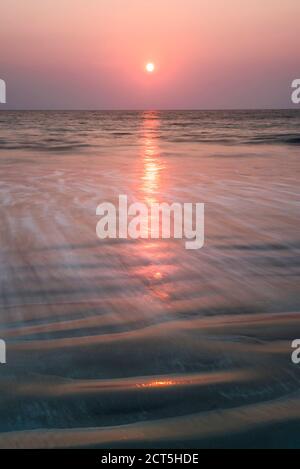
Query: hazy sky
x=91, y=54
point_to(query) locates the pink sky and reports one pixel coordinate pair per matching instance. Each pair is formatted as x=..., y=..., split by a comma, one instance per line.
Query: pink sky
x=91, y=54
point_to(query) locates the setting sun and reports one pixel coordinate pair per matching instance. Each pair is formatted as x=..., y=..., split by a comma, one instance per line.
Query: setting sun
x=150, y=67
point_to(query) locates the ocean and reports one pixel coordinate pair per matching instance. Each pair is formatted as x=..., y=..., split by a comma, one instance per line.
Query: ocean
x=142, y=343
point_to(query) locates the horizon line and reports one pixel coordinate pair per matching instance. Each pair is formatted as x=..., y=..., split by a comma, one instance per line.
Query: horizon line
x=150, y=110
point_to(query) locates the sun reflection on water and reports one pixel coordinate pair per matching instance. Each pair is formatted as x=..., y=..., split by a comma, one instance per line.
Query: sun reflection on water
x=152, y=165
x=158, y=383
x=150, y=189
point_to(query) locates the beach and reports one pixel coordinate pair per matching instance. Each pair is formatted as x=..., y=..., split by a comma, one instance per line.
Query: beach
x=143, y=343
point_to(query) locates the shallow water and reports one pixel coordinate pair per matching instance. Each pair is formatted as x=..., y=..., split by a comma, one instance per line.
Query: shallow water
x=144, y=343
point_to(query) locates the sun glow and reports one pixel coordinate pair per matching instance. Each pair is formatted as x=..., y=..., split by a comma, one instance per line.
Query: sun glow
x=150, y=67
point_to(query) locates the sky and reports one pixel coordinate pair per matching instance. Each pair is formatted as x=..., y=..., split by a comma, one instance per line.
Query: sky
x=91, y=54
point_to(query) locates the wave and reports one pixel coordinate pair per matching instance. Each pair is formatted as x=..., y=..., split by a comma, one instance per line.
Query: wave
x=63, y=132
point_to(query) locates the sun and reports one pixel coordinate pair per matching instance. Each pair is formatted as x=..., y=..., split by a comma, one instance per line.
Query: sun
x=150, y=67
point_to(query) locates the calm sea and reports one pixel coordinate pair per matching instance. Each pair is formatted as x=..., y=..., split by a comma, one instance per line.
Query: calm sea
x=122, y=343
